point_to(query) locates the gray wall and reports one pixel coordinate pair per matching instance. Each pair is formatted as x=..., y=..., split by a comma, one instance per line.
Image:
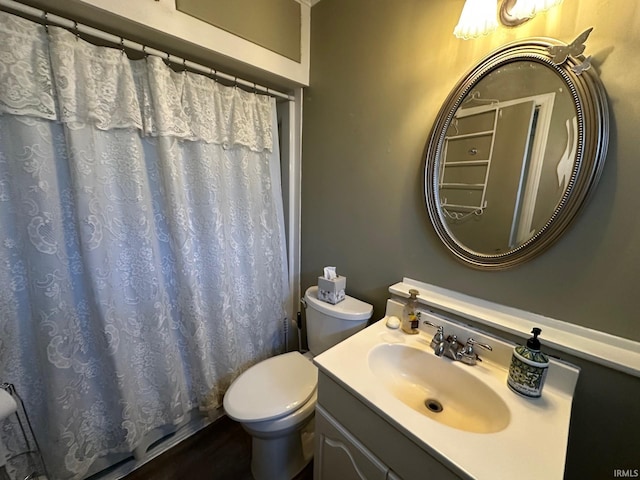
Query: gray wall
x=379, y=73
x=272, y=24
x=378, y=77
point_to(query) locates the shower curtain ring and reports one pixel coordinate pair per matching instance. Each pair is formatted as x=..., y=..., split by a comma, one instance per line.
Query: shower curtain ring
x=184, y=65
x=45, y=17
x=75, y=29
x=122, y=46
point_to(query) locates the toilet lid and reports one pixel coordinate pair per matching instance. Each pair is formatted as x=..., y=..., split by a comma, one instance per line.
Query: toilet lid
x=272, y=388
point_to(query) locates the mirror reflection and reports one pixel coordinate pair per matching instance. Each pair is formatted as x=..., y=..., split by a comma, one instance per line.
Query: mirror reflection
x=515, y=152
x=508, y=155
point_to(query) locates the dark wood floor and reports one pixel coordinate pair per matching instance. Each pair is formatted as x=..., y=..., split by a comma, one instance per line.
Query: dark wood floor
x=221, y=451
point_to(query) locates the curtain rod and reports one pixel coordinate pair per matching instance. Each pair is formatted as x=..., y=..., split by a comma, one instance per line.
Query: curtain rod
x=50, y=18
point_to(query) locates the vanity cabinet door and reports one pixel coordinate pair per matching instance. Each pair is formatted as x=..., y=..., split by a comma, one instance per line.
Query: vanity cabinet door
x=338, y=455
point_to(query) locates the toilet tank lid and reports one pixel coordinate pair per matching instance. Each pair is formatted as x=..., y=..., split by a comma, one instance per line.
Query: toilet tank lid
x=348, y=309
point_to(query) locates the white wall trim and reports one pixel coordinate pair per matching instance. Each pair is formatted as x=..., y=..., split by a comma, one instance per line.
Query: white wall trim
x=295, y=199
x=598, y=347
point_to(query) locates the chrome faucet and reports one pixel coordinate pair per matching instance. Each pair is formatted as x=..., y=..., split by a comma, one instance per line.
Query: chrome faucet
x=451, y=348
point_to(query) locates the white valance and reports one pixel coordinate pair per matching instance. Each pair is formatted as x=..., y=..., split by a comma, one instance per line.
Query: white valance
x=58, y=76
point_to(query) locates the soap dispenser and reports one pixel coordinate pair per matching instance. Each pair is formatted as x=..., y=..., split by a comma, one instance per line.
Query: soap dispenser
x=528, y=368
x=410, y=314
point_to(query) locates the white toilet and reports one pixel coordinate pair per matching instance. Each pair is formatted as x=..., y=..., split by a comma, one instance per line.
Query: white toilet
x=275, y=399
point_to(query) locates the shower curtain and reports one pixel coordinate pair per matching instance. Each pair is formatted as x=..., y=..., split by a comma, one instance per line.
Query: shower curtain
x=142, y=248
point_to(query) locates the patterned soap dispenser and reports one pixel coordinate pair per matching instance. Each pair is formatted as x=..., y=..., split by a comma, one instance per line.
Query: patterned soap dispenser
x=528, y=368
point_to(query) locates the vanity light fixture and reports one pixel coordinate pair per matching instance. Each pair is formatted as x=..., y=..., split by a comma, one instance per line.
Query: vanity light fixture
x=478, y=17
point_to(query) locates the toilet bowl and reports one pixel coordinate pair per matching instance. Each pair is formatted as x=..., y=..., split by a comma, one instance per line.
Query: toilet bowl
x=275, y=399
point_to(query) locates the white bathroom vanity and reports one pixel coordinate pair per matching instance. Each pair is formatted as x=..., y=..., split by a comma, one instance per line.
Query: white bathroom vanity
x=389, y=408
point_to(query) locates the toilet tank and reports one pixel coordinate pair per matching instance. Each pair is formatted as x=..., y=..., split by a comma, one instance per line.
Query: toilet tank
x=329, y=324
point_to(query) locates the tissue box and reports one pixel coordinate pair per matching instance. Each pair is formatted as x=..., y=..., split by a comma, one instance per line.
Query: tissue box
x=331, y=291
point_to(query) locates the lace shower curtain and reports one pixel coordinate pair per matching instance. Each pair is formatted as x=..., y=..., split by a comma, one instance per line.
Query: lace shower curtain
x=142, y=249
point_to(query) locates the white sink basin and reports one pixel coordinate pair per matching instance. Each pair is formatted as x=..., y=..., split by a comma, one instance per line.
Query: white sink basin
x=439, y=389
x=480, y=431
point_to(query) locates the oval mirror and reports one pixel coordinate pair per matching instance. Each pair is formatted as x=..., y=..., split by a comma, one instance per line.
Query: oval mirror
x=515, y=151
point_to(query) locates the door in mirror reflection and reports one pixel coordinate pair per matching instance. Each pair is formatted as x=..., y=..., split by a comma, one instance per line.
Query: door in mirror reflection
x=493, y=167
x=499, y=180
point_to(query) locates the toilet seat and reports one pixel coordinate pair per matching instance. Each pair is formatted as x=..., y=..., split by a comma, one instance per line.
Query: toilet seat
x=271, y=389
x=285, y=423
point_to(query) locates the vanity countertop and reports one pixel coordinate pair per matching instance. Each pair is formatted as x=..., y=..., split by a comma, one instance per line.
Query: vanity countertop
x=532, y=445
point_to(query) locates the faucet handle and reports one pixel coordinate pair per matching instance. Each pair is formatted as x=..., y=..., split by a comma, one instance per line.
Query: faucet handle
x=428, y=322
x=469, y=356
x=438, y=338
x=471, y=342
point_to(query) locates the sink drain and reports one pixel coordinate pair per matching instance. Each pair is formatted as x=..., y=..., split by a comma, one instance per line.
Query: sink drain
x=433, y=405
